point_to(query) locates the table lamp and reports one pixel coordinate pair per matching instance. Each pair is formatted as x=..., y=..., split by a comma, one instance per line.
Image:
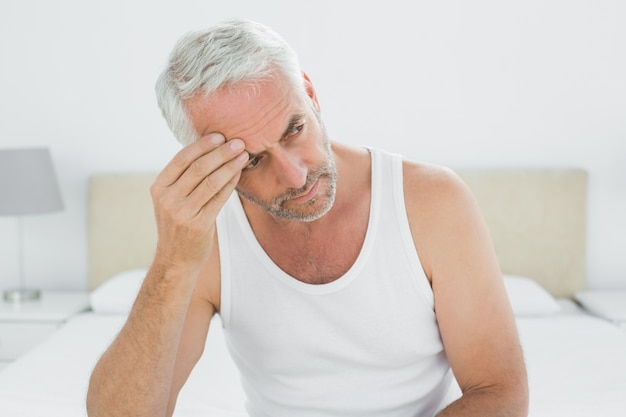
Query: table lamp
x=28, y=186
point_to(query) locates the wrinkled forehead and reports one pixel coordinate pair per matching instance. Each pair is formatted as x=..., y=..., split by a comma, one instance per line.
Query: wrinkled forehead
x=246, y=108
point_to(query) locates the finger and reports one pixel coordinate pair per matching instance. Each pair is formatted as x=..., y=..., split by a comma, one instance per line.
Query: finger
x=213, y=191
x=205, y=165
x=186, y=156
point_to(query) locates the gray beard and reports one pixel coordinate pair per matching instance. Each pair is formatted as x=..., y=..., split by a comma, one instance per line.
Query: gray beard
x=276, y=207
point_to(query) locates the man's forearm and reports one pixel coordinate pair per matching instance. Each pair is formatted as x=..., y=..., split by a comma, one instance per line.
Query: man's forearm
x=134, y=375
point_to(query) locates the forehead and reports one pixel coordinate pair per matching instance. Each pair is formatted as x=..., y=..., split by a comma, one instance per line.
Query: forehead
x=244, y=110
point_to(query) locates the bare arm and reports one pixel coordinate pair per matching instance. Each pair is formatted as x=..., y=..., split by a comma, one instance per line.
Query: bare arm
x=142, y=371
x=474, y=315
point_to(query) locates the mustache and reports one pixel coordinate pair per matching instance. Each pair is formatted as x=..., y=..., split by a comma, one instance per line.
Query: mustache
x=322, y=172
x=296, y=192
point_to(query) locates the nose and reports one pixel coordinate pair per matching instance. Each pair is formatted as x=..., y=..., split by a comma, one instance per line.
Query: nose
x=290, y=169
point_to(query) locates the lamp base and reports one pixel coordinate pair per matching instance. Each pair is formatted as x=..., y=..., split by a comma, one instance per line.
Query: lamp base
x=21, y=295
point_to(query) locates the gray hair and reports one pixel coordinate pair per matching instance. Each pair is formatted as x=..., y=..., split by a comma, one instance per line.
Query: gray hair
x=232, y=52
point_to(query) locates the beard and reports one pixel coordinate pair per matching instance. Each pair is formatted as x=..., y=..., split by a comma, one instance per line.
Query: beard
x=316, y=207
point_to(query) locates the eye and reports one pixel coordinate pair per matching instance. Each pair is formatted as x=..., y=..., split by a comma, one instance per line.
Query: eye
x=295, y=130
x=253, y=162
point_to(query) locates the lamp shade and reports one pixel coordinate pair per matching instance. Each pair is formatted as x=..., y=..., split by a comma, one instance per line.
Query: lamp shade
x=28, y=183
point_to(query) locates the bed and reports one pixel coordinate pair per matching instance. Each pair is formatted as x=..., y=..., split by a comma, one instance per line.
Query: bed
x=537, y=217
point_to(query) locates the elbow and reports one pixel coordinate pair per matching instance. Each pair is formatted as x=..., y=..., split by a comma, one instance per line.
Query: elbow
x=103, y=397
x=518, y=393
x=521, y=399
x=110, y=397
x=514, y=398
x=96, y=403
x=506, y=399
x=92, y=401
x=514, y=401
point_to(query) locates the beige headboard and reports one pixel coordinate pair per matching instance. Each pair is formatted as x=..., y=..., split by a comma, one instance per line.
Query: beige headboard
x=538, y=222
x=121, y=232
x=537, y=218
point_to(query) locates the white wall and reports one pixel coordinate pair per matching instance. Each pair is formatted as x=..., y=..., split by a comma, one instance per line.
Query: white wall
x=481, y=83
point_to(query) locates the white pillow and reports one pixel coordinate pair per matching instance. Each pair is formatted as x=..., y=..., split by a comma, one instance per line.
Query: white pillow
x=528, y=298
x=604, y=303
x=117, y=295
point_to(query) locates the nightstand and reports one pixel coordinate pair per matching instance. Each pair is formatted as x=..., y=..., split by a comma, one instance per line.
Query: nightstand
x=608, y=304
x=24, y=325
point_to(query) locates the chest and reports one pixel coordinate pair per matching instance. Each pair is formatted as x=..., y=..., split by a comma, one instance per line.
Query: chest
x=317, y=258
x=373, y=328
x=318, y=262
x=315, y=252
x=363, y=335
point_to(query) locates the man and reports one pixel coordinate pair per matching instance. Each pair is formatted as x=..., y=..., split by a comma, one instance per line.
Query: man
x=350, y=282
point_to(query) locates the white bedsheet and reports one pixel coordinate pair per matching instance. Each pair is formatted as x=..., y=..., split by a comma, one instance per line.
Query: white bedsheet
x=51, y=380
x=576, y=365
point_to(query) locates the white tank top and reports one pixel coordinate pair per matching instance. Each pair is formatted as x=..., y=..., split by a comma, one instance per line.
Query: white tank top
x=366, y=344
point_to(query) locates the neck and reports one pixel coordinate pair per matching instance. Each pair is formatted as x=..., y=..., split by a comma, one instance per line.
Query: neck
x=323, y=250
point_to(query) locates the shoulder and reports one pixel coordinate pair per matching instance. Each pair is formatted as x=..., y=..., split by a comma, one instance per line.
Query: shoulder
x=430, y=186
x=442, y=212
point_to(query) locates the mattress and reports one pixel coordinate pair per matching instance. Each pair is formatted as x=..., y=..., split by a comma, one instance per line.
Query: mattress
x=576, y=365
x=52, y=379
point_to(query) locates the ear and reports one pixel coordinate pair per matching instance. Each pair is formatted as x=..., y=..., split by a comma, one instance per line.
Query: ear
x=310, y=91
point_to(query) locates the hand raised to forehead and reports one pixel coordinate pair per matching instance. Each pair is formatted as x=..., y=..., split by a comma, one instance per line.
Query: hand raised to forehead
x=189, y=193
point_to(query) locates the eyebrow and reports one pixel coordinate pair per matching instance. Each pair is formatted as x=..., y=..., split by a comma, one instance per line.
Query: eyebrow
x=293, y=122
